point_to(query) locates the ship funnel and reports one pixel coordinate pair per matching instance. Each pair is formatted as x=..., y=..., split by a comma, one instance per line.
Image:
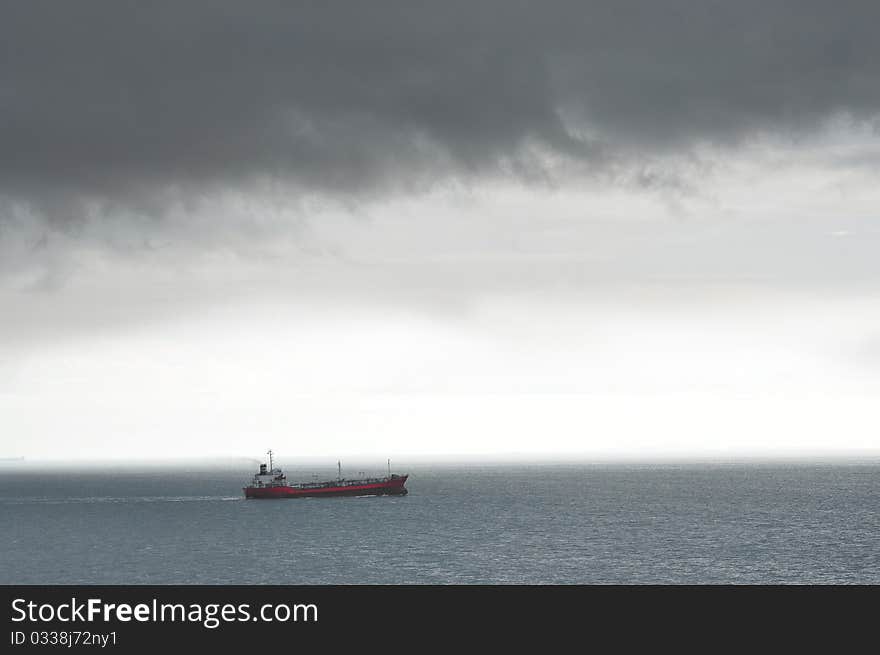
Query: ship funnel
x=262, y=469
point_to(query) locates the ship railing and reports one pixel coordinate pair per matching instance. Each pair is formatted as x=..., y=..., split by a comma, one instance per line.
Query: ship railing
x=323, y=485
x=339, y=483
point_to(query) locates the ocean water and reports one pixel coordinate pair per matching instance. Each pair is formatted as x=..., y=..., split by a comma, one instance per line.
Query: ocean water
x=574, y=523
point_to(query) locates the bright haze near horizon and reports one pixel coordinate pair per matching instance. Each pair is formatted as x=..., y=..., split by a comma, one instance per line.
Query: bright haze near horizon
x=454, y=228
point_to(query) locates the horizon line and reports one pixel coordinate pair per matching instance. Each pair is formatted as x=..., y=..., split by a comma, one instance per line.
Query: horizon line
x=850, y=455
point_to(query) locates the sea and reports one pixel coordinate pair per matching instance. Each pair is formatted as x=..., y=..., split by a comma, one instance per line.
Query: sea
x=566, y=523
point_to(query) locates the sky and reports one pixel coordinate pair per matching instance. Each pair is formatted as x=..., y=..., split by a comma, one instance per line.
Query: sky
x=593, y=229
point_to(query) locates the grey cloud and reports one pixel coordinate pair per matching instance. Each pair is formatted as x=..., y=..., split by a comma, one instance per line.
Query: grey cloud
x=117, y=101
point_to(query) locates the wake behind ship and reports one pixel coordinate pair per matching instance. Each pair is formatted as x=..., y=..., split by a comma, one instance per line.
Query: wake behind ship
x=270, y=482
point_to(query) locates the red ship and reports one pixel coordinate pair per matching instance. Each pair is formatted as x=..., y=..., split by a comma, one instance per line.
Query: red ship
x=270, y=482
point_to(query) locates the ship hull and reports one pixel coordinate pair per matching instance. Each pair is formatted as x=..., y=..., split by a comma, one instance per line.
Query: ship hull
x=393, y=487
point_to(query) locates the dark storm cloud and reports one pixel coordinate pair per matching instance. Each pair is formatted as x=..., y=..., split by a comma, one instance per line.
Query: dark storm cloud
x=116, y=100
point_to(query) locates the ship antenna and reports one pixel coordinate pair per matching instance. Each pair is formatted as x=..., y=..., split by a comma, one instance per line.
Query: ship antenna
x=389, y=467
x=271, y=468
x=339, y=470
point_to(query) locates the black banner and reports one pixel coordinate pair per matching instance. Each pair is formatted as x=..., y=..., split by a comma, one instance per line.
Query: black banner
x=270, y=618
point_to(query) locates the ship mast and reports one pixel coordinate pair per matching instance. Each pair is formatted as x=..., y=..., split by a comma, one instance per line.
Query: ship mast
x=271, y=468
x=339, y=470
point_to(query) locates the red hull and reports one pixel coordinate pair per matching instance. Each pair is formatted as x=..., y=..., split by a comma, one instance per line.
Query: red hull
x=391, y=487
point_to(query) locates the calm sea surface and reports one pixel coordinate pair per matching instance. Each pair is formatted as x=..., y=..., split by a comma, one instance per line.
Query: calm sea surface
x=752, y=523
